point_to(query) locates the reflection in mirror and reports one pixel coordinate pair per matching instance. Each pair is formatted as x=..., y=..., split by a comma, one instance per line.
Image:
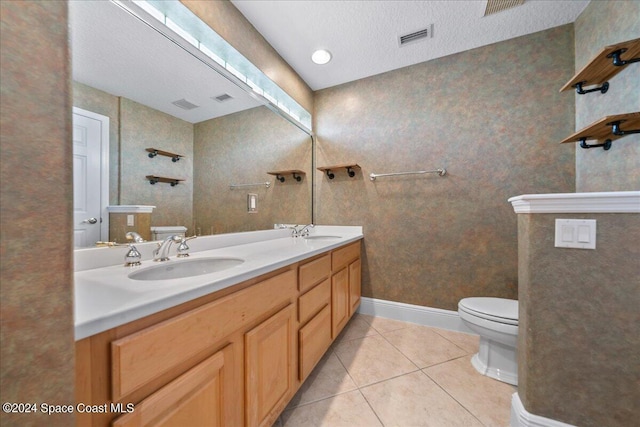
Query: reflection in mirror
x=125, y=70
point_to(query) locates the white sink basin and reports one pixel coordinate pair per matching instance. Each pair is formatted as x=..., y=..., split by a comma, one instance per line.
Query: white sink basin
x=185, y=268
x=322, y=237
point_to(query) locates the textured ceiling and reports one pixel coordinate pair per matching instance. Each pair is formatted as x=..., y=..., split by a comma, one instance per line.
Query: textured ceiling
x=363, y=35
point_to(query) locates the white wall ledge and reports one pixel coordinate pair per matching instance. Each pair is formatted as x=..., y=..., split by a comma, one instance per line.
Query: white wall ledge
x=130, y=209
x=600, y=202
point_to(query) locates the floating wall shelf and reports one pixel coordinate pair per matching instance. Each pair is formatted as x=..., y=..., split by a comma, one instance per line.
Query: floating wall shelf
x=153, y=152
x=297, y=174
x=349, y=167
x=606, y=64
x=607, y=129
x=155, y=179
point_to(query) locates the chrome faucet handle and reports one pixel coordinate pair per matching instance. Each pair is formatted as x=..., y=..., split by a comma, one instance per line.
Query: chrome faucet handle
x=304, y=231
x=132, y=257
x=183, y=248
x=294, y=230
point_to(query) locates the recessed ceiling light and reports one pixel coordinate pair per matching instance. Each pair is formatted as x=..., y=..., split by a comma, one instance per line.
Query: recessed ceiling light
x=321, y=56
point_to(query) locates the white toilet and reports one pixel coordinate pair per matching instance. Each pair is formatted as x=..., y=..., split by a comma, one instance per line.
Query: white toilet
x=161, y=233
x=496, y=321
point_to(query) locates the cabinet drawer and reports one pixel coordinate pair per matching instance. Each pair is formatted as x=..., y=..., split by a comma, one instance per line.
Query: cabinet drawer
x=315, y=271
x=146, y=355
x=311, y=302
x=314, y=339
x=341, y=257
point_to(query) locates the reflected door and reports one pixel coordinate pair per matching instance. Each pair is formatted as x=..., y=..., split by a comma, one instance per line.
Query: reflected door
x=89, y=130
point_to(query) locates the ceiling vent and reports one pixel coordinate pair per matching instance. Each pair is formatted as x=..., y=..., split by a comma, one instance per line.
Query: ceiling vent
x=495, y=6
x=423, y=34
x=184, y=104
x=223, y=97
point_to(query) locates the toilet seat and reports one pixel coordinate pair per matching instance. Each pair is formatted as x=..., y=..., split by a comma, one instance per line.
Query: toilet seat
x=498, y=310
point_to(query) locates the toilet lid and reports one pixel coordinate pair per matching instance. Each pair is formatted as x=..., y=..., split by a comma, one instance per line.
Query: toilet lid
x=495, y=309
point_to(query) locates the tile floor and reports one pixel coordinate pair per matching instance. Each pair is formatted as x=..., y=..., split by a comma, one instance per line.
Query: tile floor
x=383, y=372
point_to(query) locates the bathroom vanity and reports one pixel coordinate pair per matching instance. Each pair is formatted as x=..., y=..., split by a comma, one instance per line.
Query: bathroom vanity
x=228, y=348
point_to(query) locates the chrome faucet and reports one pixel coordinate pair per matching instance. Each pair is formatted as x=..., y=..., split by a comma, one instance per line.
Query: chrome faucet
x=132, y=235
x=304, y=231
x=161, y=253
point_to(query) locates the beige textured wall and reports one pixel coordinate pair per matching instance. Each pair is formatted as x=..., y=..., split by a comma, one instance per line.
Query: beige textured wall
x=36, y=304
x=143, y=127
x=240, y=149
x=578, y=341
x=493, y=118
x=617, y=169
x=230, y=24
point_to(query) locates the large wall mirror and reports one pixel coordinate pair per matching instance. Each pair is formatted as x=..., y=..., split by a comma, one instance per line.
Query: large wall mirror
x=157, y=94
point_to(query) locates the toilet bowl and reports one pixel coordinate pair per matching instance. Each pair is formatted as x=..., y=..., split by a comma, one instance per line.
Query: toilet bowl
x=496, y=321
x=161, y=233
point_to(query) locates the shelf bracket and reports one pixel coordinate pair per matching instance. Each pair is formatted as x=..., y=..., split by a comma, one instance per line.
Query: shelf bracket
x=350, y=172
x=580, y=91
x=619, y=62
x=615, y=129
x=605, y=146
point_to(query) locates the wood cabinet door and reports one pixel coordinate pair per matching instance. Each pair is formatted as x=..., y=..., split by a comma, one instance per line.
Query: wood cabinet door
x=355, y=286
x=270, y=367
x=339, y=301
x=200, y=397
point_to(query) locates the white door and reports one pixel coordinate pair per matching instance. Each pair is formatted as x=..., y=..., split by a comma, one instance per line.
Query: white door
x=90, y=137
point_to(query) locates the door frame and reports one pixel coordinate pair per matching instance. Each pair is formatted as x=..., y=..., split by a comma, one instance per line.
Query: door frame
x=104, y=168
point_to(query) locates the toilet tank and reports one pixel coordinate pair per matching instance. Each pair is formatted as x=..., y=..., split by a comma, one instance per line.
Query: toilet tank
x=161, y=233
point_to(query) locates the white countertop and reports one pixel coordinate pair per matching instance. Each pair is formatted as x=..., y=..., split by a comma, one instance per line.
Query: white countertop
x=105, y=297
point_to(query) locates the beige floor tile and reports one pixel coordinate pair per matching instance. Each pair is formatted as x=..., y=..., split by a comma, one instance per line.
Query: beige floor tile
x=382, y=324
x=415, y=400
x=372, y=359
x=327, y=379
x=468, y=342
x=488, y=399
x=423, y=346
x=348, y=410
x=356, y=328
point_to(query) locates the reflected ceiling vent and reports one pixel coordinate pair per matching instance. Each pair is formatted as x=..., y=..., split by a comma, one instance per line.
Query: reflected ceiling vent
x=184, y=104
x=423, y=34
x=495, y=6
x=224, y=97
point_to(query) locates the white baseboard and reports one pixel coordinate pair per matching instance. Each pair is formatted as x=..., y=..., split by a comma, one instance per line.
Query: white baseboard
x=427, y=316
x=520, y=417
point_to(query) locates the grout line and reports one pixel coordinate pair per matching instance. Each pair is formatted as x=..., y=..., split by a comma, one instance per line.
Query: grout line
x=370, y=406
x=450, y=395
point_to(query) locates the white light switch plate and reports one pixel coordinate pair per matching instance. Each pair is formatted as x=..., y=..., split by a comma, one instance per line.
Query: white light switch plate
x=576, y=233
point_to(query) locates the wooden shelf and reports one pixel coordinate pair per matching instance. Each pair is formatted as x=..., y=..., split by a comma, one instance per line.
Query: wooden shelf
x=155, y=179
x=296, y=173
x=603, y=129
x=601, y=68
x=153, y=152
x=348, y=166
